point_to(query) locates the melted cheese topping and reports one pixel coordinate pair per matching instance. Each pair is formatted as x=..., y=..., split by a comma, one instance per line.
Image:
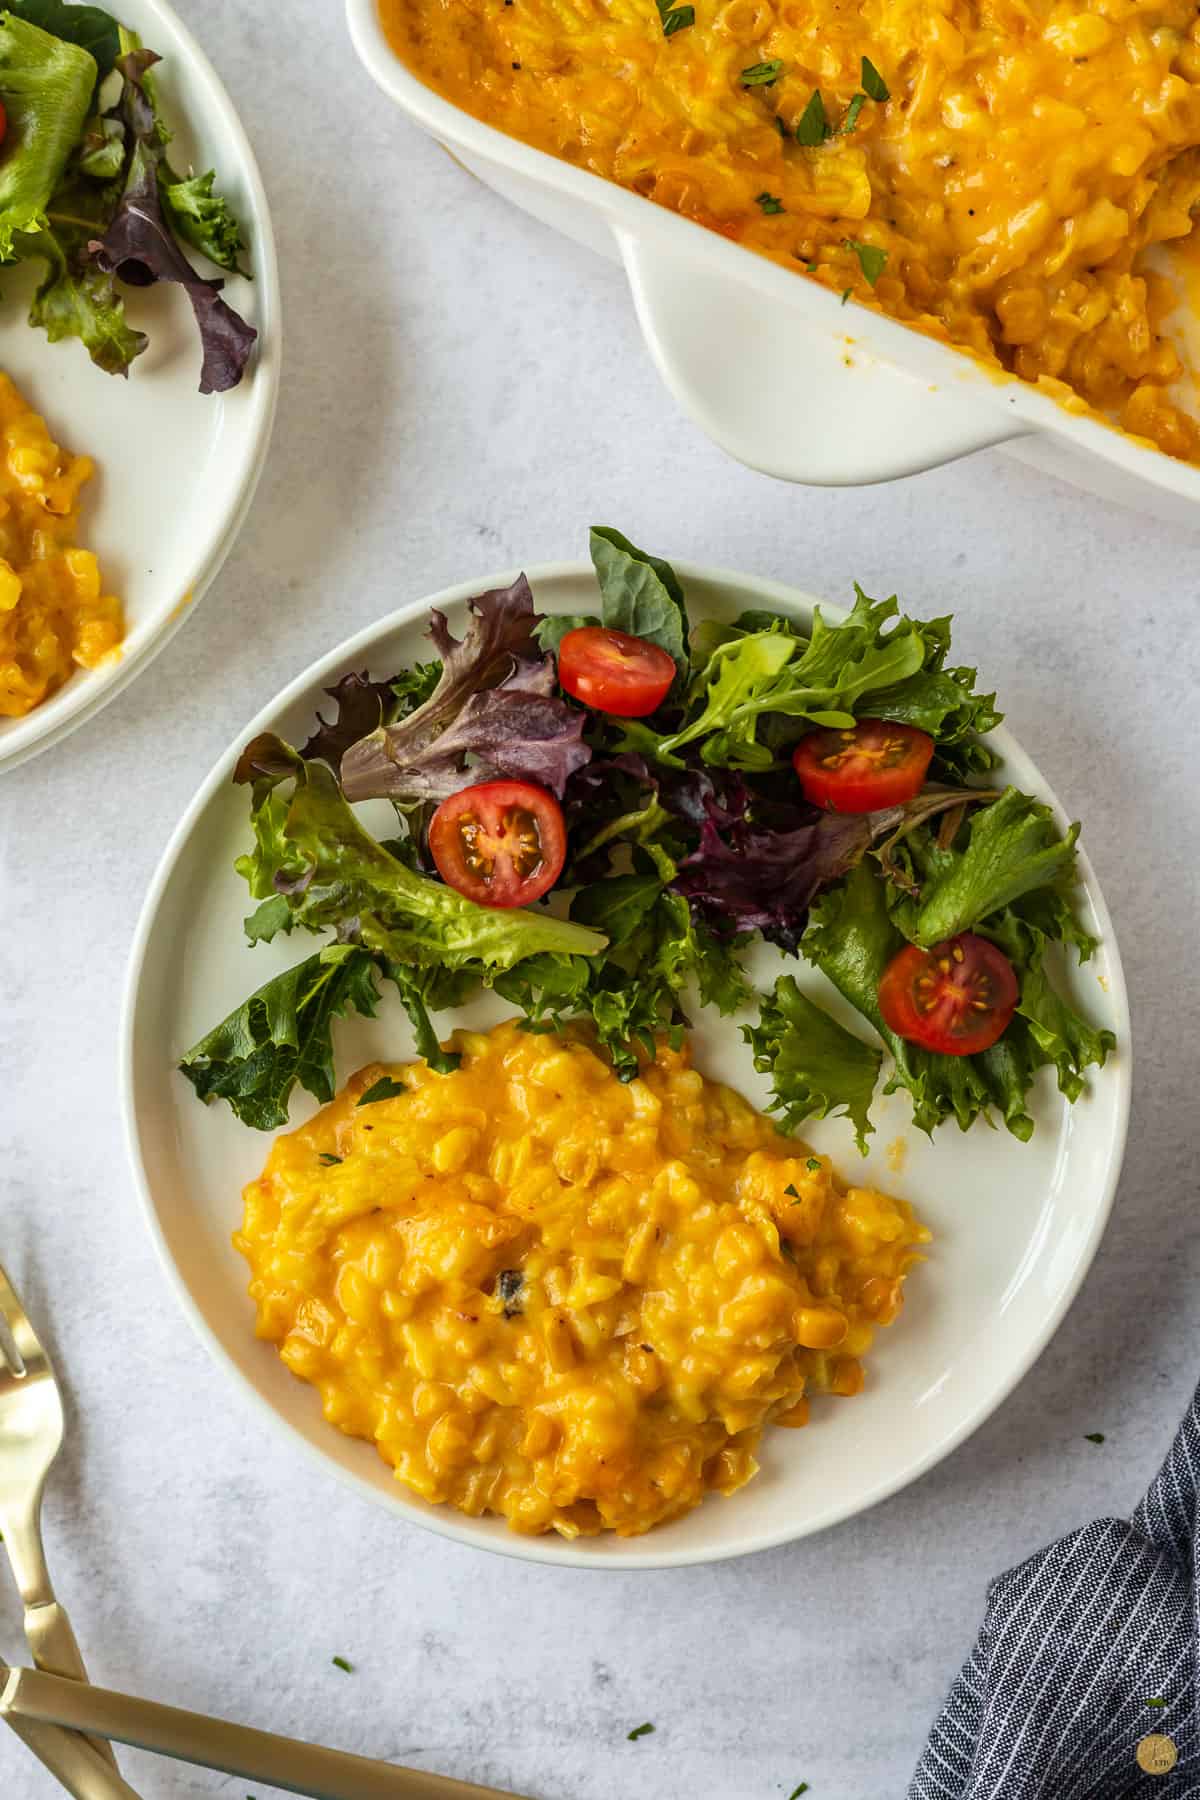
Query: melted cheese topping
x=54, y=615
x=1029, y=153
x=543, y=1294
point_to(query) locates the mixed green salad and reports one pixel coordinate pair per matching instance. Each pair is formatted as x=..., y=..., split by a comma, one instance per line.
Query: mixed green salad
x=597, y=817
x=87, y=189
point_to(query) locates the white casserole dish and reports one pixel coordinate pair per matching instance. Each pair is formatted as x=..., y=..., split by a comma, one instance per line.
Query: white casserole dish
x=755, y=354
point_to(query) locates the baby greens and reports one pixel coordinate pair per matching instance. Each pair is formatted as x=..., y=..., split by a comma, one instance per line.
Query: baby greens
x=689, y=839
x=86, y=188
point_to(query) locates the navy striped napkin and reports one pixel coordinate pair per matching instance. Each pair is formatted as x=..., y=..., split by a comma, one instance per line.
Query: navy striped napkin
x=1076, y=1643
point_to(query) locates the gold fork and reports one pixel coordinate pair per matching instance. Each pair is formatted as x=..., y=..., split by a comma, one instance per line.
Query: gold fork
x=31, y=1435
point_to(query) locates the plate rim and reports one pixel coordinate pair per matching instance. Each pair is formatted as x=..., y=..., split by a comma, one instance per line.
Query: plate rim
x=445, y=1521
x=50, y=722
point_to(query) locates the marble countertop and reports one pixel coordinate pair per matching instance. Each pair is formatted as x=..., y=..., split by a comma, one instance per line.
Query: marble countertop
x=465, y=391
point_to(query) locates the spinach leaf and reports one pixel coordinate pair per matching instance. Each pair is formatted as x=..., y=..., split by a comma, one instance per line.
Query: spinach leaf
x=619, y=905
x=90, y=27
x=640, y=594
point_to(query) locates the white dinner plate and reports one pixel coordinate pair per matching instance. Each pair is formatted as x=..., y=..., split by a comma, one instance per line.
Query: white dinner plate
x=176, y=469
x=1015, y=1225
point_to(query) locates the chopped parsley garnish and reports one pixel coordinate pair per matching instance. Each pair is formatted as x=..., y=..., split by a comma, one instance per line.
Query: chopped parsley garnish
x=675, y=18
x=813, y=1163
x=1094, y=1437
x=810, y=268
x=873, y=81
x=640, y=1731
x=1156, y=1703
x=328, y=1158
x=770, y=203
x=761, y=74
x=846, y=293
x=383, y=1089
x=796, y=1792
x=347, y=1668
x=813, y=128
x=789, y=1189
x=871, y=260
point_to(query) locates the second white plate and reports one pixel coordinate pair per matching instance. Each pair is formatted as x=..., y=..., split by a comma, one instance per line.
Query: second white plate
x=176, y=469
x=1015, y=1225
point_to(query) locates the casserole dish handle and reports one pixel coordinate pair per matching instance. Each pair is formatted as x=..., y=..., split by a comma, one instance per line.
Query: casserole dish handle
x=787, y=397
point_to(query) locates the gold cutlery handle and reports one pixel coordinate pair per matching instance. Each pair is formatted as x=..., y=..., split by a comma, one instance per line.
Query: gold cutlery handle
x=72, y=1761
x=47, y=1627
x=55, y=1649
x=281, y=1762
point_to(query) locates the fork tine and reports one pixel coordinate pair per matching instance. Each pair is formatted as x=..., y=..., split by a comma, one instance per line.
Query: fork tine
x=23, y=1335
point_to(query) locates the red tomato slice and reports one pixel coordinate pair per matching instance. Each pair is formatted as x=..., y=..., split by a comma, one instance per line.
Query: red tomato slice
x=502, y=843
x=957, y=998
x=614, y=672
x=871, y=764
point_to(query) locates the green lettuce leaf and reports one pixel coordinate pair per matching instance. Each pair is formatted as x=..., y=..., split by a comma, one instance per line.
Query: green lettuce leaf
x=203, y=218
x=852, y=937
x=282, y=1035
x=421, y=990
x=740, y=675
x=195, y=211
x=311, y=847
x=46, y=87
x=818, y=1069
x=876, y=663
x=1013, y=846
x=90, y=27
x=551, y=630
x=1053, y=1031
x=75, y=299
x=548, y=989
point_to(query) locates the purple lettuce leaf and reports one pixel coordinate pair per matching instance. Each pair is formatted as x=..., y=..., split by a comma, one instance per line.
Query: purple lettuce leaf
x=766, y=880
x=139, y=248
x=361, y=703
x=493, y=714
x=760, y=863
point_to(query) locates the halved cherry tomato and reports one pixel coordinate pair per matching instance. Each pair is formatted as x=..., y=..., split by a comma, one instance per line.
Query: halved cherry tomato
x=614, y=672
x=502, y=843
x=870, y=764
x=957, y=998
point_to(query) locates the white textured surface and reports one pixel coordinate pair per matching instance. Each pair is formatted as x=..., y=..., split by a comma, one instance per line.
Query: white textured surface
x=463, y=390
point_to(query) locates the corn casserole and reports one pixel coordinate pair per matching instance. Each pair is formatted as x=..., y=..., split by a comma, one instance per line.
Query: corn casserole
x=54, y=614
x=990, y=172
x=546, y=1294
